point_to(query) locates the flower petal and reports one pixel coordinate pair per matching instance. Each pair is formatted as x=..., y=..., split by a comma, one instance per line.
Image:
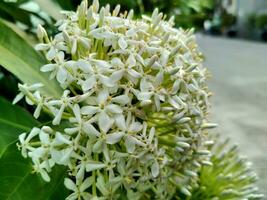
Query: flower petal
x=102, y=96
x=122, y=43
x=113, y=138
x=41, y=47
x=90, y=130
x=120, y=121
x=58, y=116
x=104, y=121
x=122, y=99
x=89, y=110
x=106, y=81
x=45, y=175
x=18, y=98
x=70, y=184
x=51, y=54
x=93, y=165
x=44, y=138
x=74, y=46
x=89, y=83
x=131, y=61
x=62, y=75
x=116, y=76
x=130, y=144
x=86, y=183
x=98, y=146
x=155, y=169
x=84, y=65
x=61, y=139
x=113, y=108
x=135, y=127
x=48, y=67
x=151, y=135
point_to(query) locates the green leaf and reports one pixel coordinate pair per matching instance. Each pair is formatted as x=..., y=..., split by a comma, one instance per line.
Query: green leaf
x=29, y=39
x=13, y=121
x=18, y=182
x=16, y=179
x=195, y=5
x=18, y=57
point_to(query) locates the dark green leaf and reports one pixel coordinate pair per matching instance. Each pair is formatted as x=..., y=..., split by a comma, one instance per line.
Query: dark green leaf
x=67, y=4
x=1, y=75
x=17, y=182
x=9, y=85
x=16, y=12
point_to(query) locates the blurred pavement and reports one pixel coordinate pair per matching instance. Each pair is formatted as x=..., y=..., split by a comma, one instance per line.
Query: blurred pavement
x=239, y=104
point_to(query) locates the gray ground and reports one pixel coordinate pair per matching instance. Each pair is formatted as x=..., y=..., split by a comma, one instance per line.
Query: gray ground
x=239, y=84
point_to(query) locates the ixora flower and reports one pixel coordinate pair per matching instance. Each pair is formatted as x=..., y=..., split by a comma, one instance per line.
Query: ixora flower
x=135, y=103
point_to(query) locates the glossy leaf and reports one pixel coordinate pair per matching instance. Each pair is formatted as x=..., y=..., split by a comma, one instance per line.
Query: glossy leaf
x=18, y=57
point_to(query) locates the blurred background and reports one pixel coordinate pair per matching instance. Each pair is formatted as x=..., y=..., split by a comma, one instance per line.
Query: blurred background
x=230, y=33
x=230, y=18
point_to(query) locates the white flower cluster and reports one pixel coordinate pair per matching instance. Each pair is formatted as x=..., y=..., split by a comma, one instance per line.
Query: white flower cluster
x=134, y=106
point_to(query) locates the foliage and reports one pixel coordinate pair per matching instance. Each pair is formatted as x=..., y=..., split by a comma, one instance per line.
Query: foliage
x=261, y=21
x=24, y=64
x=187, y=14
x=20, y=12
x=17, y=179
x=11, y=11
x=9, y=84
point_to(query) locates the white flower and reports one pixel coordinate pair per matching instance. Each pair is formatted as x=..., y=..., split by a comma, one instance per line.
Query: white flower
x=25, y=89
x=53, y=48
x=41, y=168
x=106, y=112
x=40, y=103
x=79, y=188
x=122, y=43
x=131, y=129
x=77, y=39
x=150, y=90
x=63, y=103
x=58, y=69
x=61, y=155
x=96, y=71
x=24, y=141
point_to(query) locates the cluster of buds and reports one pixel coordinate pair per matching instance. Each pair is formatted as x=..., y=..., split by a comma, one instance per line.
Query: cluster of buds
x=230, y=176
x=133, y=111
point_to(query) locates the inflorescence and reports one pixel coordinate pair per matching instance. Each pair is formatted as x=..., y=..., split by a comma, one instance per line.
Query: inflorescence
x=134, y=106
